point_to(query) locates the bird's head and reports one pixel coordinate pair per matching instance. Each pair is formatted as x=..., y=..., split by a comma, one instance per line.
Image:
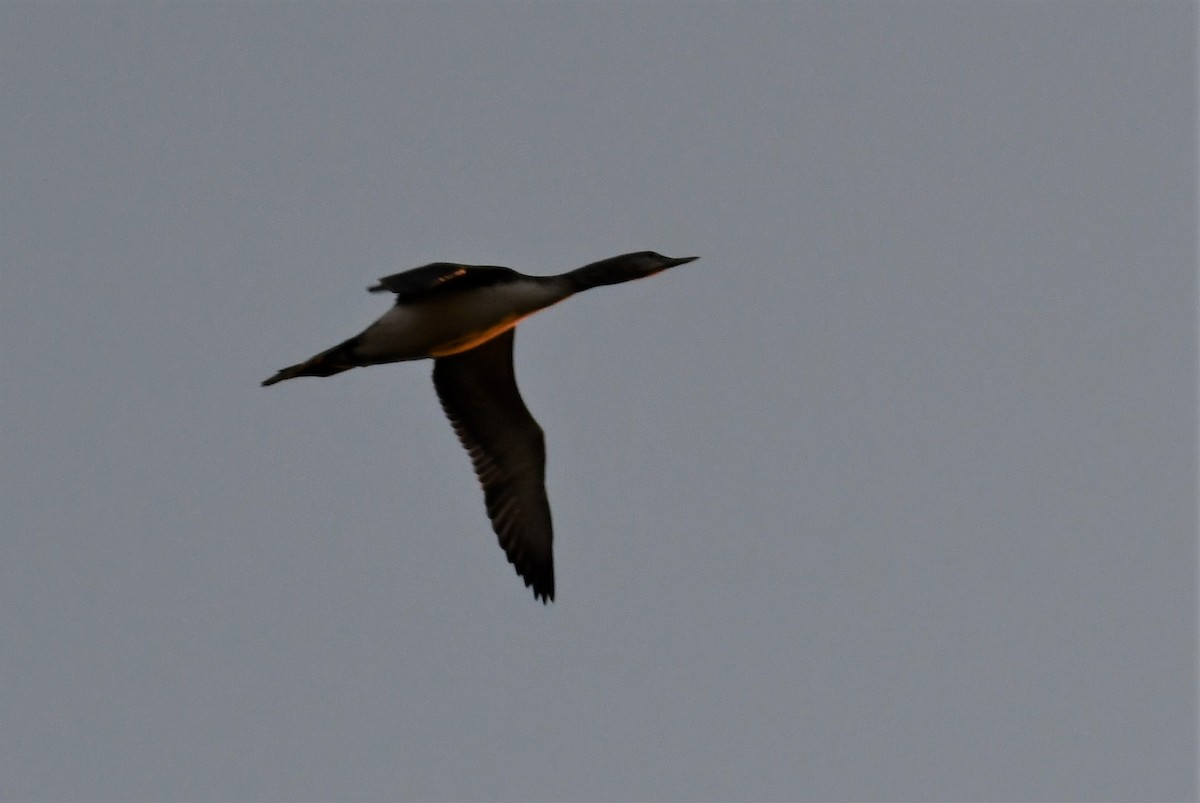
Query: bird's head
x=626, y=268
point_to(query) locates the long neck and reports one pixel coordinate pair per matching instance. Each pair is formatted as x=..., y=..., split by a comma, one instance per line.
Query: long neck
x=597, y=274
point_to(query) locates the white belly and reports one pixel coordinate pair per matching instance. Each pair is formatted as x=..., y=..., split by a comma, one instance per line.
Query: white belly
x=439, y=327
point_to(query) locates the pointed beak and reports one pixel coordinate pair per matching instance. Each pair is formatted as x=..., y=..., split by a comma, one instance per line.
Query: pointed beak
x=681, y=261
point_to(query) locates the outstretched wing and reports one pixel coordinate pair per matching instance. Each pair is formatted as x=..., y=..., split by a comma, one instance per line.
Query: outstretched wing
x=441, y=277
x=478, y=391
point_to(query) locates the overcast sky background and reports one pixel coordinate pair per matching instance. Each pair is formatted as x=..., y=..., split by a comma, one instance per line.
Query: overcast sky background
x=891, y=496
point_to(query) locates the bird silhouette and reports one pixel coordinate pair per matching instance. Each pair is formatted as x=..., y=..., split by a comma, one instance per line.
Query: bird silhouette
x=464, y=317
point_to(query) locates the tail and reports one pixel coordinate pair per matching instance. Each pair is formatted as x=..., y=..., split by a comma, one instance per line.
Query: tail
x=327, y=363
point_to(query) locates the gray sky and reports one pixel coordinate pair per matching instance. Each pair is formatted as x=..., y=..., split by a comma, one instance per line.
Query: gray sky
x=889, y=497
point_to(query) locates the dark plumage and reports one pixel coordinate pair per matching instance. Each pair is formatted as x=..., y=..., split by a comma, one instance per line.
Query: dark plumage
x=464, y=317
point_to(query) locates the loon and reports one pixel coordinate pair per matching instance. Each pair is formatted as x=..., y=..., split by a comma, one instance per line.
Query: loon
x=464, y=317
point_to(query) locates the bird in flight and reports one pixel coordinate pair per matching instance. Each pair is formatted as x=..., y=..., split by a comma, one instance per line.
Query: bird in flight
x=464, y=317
